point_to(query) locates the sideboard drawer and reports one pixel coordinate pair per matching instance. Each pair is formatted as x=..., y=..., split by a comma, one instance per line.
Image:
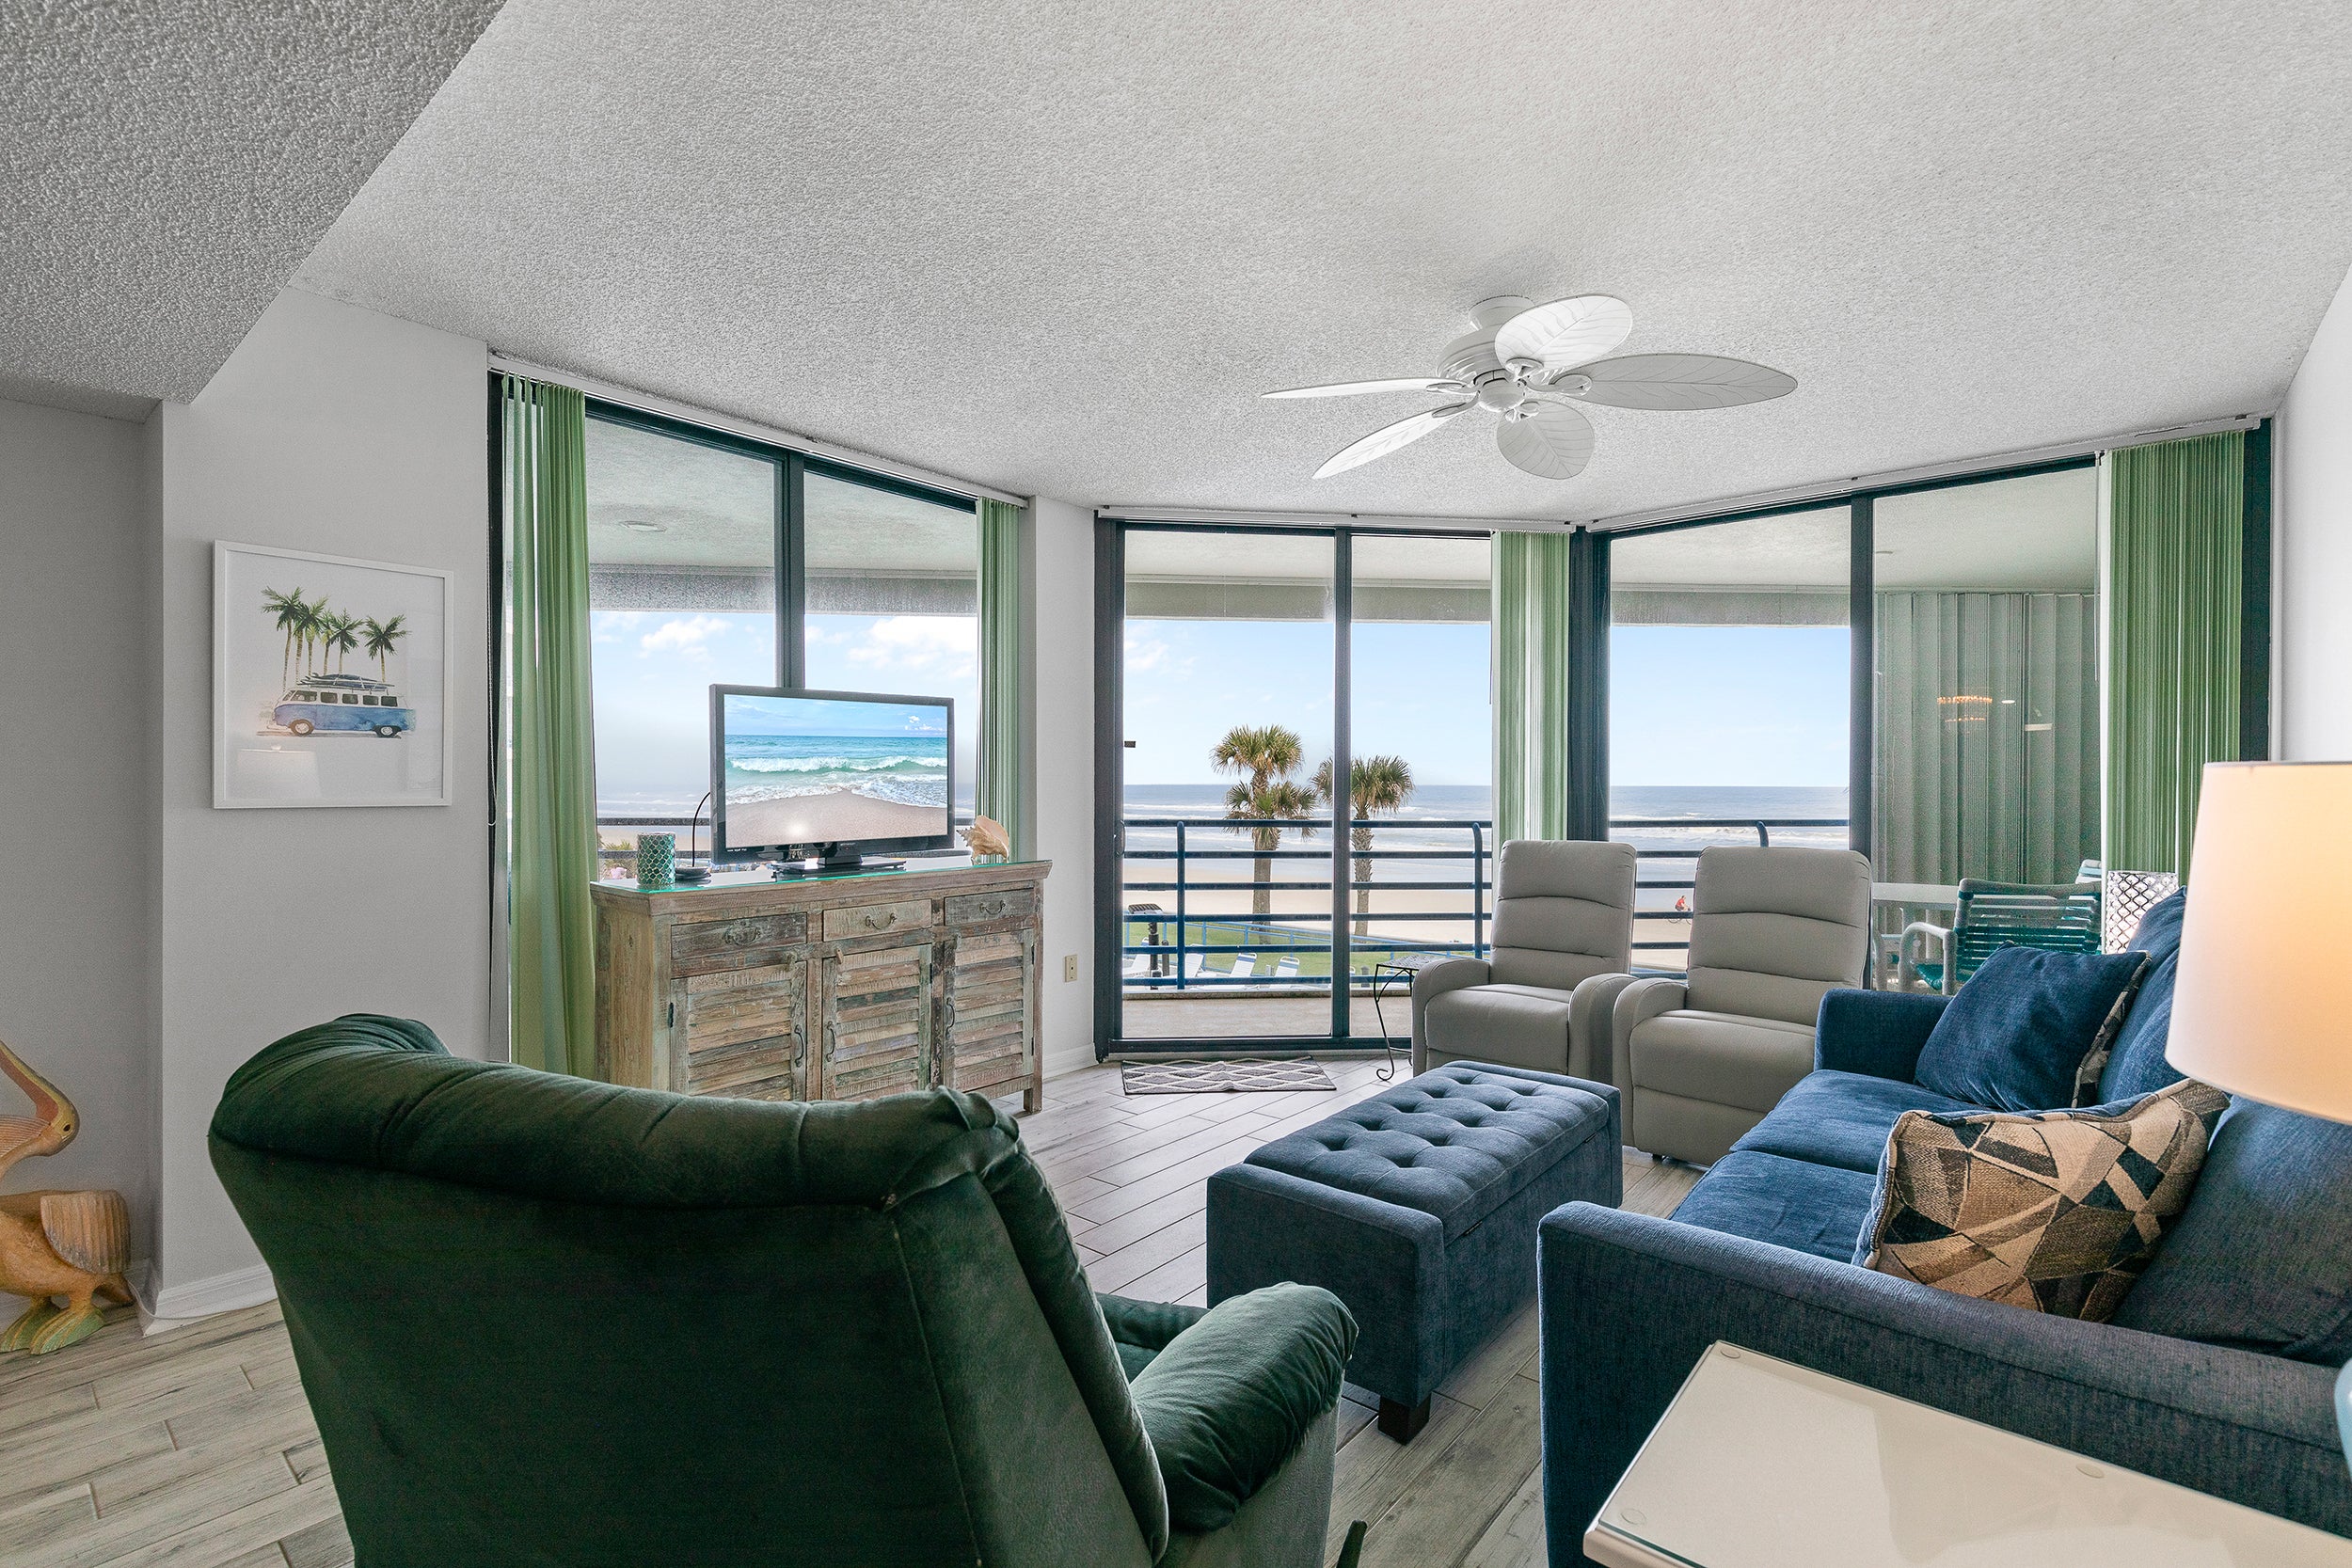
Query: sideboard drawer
x=754, y=941
x=877, y=920
x=972, y=909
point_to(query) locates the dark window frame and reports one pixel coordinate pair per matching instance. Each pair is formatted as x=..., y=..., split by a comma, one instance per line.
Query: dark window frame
x=1588, y=722
x=790, y=559
x=1110, y=619
x=1861, y=505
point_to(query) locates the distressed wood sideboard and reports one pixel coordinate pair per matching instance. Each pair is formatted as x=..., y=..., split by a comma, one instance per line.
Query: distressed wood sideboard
x=832, y=988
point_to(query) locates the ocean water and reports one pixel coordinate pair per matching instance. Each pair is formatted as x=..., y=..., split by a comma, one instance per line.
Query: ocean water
x=907, y=768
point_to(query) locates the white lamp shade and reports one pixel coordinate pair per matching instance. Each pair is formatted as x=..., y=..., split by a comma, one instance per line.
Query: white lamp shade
x=2261, y=1002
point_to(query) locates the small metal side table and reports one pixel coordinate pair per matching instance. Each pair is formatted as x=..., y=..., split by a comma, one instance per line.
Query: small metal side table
x=1387, y=971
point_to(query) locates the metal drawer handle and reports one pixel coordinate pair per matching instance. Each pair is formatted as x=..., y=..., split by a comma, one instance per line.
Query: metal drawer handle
x=881, y=922
x=993, y=906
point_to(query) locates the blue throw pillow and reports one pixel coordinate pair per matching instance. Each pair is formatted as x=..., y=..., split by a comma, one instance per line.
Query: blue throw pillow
x=2258, y=1259
x=2017, y=1033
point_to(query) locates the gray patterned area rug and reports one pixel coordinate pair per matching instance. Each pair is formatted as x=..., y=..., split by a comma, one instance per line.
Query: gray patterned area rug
x=1249, y=1075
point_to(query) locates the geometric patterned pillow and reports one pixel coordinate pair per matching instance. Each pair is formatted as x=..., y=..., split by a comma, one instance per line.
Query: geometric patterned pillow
x=2054, y=1211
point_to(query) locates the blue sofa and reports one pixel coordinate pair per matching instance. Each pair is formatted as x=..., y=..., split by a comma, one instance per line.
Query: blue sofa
x=2217, y=1372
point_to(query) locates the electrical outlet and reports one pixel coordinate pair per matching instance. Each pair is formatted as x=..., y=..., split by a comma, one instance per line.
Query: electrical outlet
x=1070, y=967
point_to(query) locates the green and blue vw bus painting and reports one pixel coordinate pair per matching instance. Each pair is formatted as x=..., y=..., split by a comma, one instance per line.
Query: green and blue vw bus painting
x=327, y=704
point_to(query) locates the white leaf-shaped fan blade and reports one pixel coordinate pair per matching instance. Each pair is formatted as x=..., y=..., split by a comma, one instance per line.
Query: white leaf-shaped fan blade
x=1357, y=389
x=1565, y=332
x=1681, y=380
x=1553, y=441
x=1387, y=438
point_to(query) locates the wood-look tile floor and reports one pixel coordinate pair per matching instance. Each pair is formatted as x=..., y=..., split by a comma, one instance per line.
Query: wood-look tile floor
x=196, y=1450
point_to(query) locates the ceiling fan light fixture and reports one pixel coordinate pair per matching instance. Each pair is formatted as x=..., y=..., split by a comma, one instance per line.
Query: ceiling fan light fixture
x=1524, y=361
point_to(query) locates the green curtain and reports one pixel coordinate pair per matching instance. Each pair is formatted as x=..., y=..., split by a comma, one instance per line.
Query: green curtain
x=1986, y=729
x=2176, y=517
x=1531, y=684
x=1003, y=678
x=552, y=773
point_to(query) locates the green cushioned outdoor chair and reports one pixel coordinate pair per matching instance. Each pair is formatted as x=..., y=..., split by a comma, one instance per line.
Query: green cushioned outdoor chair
x=543, y=1321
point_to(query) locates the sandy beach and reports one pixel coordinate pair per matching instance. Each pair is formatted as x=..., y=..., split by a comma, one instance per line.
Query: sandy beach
x=831, y=817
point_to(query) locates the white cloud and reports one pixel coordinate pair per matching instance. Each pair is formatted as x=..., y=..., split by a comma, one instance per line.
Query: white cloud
x=684, y=637
x=1143, y=655
x=940, y=644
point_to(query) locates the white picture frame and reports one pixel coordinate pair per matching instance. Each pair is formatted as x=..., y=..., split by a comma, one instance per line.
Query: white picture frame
x=295, y=722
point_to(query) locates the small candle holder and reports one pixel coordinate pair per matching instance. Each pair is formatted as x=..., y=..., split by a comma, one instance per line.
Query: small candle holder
x=656, y=860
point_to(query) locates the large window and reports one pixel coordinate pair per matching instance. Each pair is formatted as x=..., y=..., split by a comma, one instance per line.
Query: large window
x=1730, y=661
x=713, y=559
x=1963, y=741
x=894, y=602
x=1987, y=722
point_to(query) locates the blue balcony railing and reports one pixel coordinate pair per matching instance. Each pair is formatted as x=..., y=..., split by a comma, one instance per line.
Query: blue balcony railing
x=1171, y=942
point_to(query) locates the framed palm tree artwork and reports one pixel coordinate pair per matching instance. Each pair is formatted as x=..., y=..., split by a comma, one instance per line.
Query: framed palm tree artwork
x=330, y=680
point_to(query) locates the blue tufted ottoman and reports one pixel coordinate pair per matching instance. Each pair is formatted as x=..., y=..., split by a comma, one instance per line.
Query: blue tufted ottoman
x=1418, y=1208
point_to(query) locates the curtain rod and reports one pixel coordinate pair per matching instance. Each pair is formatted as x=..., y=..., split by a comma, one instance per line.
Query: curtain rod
x=630, y=397
x=1325, y=519
x=1830, y=488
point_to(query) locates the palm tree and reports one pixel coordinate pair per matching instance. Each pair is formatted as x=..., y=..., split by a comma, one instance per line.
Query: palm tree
x=309, y=624
x=341, y=637
x=287, y=610
x=1265, y=756
x=1376, y=786
x=383, y=639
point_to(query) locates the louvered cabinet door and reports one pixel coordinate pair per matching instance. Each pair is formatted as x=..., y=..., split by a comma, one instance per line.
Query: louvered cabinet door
x=992, y=1002
x=742, y=1032
x=876, y=1019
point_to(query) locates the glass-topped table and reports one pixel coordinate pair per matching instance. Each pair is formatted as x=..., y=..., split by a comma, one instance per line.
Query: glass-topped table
x=1761, y=1464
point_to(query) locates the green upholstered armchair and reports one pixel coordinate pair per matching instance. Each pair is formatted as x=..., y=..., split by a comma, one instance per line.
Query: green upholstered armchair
x=547, y=1321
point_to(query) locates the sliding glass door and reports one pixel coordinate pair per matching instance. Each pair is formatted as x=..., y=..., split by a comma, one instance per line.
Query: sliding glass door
x=1299, y=772
x=1227, y=665
x=1422, y=735
x=1730, y=661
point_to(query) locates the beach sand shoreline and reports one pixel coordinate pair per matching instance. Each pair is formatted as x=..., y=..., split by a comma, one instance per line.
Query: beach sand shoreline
x=836, y=816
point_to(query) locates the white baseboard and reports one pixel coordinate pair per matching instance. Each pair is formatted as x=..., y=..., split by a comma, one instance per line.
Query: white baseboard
x=1061, y=1063
x=178, y=1304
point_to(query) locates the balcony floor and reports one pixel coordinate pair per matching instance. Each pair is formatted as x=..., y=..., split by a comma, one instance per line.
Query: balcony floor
x=1238, y=1015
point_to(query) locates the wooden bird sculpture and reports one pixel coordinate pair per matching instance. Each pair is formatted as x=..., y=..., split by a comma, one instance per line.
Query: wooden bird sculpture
x=987, y=840
x=52, y=1244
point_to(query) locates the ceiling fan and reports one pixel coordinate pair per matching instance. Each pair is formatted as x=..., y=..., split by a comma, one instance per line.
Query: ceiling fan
x=1530, y=362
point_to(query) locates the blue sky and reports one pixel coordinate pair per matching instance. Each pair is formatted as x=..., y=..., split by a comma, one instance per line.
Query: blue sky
x=1706, y=705
x=1753, y=705
x=749, y=714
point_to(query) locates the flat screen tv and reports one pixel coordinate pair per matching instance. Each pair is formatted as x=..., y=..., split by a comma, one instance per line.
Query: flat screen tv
x=832, y=775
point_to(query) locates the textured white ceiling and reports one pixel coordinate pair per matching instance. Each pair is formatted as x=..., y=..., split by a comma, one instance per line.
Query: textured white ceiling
x=1058, y=247
x=165, y=167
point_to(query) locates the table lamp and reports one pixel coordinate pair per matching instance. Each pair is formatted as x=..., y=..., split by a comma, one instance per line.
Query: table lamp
x=2258, y=1005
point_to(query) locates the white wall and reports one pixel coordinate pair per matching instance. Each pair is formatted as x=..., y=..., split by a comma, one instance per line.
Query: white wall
x=336, y=430
x=1063, y=668
x=2314, y=500
x=77, y=718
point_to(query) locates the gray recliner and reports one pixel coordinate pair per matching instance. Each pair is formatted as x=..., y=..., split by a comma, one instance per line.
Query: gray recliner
x=1699, y=1060
x=1563, y=933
